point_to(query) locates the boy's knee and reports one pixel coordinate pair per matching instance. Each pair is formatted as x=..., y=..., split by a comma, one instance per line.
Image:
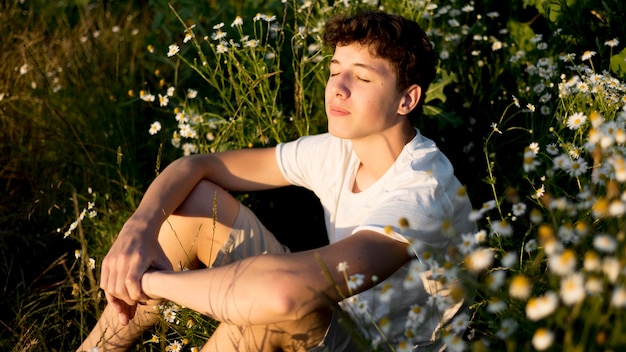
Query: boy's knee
x=185, y=235
x=206, y=200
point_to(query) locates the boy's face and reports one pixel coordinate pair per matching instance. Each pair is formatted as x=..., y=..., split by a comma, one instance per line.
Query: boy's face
x=362, y=98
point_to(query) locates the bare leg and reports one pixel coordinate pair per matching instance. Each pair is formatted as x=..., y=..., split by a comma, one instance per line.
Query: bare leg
x=291, y=336
x=188, y=237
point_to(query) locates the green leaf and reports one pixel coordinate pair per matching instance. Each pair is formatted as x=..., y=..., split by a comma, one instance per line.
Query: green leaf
x=618, y=63
x=551, y=9
x=432, y=111
x=521, y=34
x=435, y=90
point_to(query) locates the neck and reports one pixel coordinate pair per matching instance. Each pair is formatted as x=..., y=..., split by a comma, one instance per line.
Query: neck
x=378, y=152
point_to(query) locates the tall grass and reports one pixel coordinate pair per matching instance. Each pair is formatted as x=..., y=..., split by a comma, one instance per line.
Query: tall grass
x=66, y=69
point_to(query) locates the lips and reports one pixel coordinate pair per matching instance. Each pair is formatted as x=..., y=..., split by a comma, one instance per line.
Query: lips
x=338, y=110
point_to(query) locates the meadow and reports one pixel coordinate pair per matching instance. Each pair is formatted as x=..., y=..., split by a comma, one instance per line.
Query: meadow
x=96, y=97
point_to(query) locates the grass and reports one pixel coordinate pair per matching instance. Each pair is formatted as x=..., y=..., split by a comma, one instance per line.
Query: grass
x=65, y=114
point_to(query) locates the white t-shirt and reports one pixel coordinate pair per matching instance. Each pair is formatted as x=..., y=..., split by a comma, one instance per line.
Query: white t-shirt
x=420, y=187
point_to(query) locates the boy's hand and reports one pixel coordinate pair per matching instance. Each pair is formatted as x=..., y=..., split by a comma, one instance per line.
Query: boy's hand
x=124, y=311
x=134, y=251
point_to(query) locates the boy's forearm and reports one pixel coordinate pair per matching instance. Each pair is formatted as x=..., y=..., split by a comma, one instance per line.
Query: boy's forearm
x=252, y=291
x=168, y=191
x=240, y=170
x=272, y=288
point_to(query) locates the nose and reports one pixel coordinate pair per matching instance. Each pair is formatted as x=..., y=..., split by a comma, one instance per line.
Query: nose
x=338, y=87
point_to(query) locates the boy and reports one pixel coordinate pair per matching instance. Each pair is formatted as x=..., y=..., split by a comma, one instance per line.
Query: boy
x=372, y=169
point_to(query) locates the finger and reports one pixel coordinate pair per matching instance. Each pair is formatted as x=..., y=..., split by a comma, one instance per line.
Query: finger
x=108, y=281
x=126, y=314
x=115, y=303
x=133, y=283
x=104, y=275
x=116, y=285
x=123, y=317
x=119, y=289
x=122, y=309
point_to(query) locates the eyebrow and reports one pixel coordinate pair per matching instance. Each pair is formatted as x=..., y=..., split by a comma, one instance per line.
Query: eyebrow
x=358, y=64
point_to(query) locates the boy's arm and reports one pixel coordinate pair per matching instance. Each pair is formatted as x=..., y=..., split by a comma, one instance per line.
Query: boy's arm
x=272, y=288
x=136, y=247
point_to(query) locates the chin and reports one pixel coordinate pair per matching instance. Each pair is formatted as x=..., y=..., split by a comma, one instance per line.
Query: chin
x=338, y=132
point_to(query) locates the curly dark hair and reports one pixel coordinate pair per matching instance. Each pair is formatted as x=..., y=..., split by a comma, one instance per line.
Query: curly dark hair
x=399, y=40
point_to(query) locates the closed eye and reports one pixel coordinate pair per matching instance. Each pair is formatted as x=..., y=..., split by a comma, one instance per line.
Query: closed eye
x=364, y=80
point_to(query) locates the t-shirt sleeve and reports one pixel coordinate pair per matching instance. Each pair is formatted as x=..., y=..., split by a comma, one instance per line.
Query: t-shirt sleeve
x=311, y=160
x=290, y=157
x=431, y=216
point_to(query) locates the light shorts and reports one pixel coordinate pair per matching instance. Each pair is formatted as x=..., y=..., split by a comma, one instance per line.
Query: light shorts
x=250, y=238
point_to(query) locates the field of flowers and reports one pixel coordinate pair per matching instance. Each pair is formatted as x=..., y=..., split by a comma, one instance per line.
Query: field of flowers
x=529, y=104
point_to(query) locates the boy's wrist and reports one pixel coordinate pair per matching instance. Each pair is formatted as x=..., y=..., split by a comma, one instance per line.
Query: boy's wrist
x=146, y=286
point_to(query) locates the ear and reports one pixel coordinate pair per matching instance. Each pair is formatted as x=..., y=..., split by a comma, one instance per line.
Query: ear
x=410, y=97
